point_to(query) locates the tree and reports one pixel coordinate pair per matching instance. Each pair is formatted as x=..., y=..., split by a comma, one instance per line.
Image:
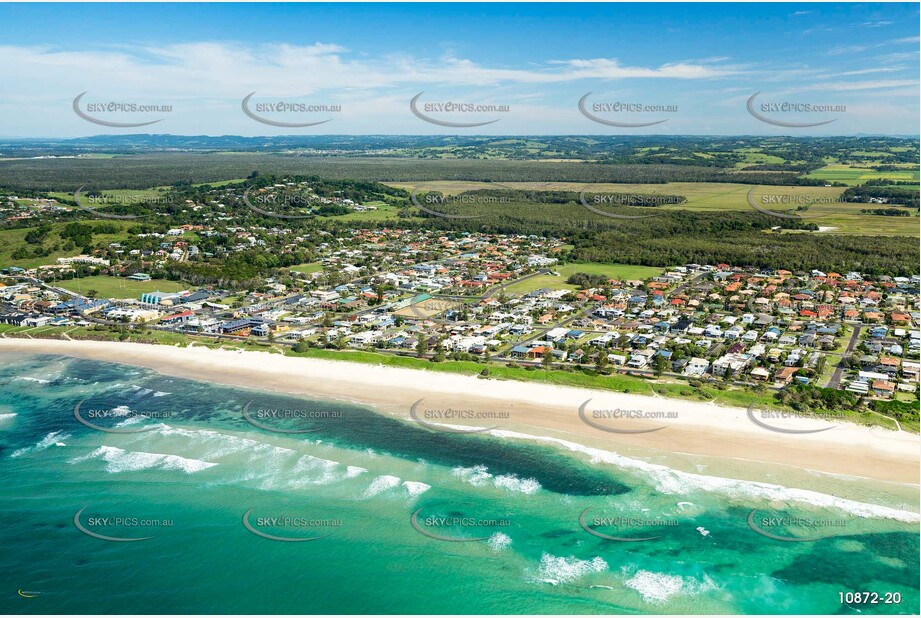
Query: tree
x=659, y=364
x=602, y=363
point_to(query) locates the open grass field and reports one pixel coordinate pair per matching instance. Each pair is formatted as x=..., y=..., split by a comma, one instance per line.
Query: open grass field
x=755, y=156
x=312, y=267
x=136, y=195
x=123, y=196
x=119, y=287
x=831, y=217
x=612, y=271
x=855, y=175
x=220, y=183
x=384, y=212
x=11, y=240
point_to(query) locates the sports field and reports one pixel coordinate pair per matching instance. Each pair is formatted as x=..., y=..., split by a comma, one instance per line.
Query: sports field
x=120, y=287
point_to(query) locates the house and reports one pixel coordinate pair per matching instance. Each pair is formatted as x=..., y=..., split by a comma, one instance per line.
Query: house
x=637, y=361
x=37, y=320
x=872, y=375
x=731, y=364
x=883, y=389
x=177, y=318
x=260, y=330
x=910, y=371
x=859, y=388
x=132, y=315
x=519, y=351
x=236, y=326
x=696, y=367
x=366, y=338
x=785, y=374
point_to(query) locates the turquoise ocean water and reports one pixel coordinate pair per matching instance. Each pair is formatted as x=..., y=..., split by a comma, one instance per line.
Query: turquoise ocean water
x=389, y=517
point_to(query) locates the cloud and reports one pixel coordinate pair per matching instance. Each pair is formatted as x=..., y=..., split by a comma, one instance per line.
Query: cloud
x=863, y=72
x=603, y=68
x=205, y=81
x=221, y=69
x=877, y=24
x=865, y=85
x=809, y=31
x=848, y=49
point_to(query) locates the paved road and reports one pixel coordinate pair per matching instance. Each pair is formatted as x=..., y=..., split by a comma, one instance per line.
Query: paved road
x=692, y=281
x=839, y=370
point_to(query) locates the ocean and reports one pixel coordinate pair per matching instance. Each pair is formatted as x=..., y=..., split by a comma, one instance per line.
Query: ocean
x=125, y=491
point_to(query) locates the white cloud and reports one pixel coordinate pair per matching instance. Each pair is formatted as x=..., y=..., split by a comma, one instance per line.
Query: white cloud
x=205, y=82
x=221, y=69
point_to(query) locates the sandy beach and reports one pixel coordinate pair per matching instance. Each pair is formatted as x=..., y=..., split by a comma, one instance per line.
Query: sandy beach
x=687, y=428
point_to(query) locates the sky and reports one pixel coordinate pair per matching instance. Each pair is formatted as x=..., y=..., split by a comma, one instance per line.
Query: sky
x=690, y=68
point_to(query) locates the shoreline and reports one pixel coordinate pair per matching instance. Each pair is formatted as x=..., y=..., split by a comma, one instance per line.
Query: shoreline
x=684, y=429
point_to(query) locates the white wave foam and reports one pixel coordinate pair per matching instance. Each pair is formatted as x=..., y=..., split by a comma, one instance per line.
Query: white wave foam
x=478, y=476
x=132, y=420
x=4, y=417
x=415, y=488
x=703, y=531
x=670, y=481
x=353, y=471
x=31, y=379
x=513, y=483
x=55, y=438
x=310, y=470
x=210, y=444
x=119, y=460
x=263, y=464
x=657, y=588
x=499, y=541
x=380, y=485
x=555, y=569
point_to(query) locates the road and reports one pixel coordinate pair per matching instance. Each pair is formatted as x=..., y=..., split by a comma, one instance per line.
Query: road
x=839, y=370
x=692, y=281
